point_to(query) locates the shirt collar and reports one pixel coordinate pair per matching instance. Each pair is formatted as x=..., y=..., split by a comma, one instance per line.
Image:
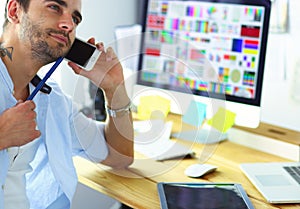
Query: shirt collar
x=45, y=89
x=35, y=81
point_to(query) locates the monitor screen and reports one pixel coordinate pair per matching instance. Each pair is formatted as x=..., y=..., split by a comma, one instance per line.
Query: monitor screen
x=213, y=48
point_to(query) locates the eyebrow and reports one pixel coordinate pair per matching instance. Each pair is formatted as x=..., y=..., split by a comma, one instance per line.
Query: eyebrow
x=77, y=13
x=64, y=4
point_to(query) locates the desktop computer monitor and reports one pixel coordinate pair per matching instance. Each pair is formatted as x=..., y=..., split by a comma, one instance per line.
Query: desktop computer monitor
x=209, y=51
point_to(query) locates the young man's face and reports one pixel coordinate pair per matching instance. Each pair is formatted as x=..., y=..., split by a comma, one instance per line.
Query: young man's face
x=48, y=27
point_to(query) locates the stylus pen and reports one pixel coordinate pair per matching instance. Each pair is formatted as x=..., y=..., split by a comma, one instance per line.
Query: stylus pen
x=42, y=82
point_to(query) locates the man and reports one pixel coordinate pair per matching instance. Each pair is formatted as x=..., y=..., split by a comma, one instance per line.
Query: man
x=38, y=138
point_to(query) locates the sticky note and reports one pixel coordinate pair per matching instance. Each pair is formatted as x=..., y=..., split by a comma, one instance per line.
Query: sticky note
x=153, y=107
x=222, y=120
x=195, y=114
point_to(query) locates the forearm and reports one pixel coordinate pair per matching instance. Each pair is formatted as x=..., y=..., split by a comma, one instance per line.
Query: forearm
x=119, y=130
x=108, y=75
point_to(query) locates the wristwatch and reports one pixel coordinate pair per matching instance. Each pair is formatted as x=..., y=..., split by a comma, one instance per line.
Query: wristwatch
x=119, y=112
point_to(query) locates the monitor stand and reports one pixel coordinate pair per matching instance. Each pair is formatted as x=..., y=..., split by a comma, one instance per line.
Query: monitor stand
x=203, y=135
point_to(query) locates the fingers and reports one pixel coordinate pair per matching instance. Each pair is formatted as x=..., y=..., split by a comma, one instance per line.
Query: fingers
x=103, y=64
x=29, y=122
x=26, y=112
x=75, y=67
x=19, y=102
x=27, y=105
x=110, y=54
x=100, y=46
x=18, y=125
x=30, y=104
x=91, y=41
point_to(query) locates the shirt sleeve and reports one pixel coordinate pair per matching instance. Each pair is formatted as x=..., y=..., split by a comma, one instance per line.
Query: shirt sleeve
x=90, y=143
x=3, y=173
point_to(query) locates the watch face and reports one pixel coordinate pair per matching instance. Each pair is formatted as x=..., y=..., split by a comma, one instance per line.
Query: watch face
x=119, y=112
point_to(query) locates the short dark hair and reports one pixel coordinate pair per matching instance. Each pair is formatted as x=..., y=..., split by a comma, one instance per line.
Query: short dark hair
x=24, y=4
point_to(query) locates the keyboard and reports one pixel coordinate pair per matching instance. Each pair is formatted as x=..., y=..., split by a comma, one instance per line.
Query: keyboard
x=294, y=171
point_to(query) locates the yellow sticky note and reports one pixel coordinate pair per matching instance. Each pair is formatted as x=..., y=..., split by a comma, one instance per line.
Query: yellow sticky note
x=222, y=120
x=151, y=107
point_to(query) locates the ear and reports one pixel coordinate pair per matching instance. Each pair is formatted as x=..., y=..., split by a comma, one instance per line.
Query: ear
x=13, y=9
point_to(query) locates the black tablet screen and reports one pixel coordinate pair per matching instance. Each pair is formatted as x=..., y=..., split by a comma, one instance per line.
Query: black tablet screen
x=209, y=197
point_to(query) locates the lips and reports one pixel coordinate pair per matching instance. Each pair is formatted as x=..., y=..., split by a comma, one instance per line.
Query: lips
x=60, y=38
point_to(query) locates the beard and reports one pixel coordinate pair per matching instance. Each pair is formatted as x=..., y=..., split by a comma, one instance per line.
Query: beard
x=36, y=36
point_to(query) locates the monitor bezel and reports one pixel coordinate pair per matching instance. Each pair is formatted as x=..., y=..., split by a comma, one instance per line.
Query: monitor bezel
x=256, y=101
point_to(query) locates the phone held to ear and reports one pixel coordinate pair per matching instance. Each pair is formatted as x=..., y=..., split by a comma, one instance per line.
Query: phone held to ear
x=83, y=54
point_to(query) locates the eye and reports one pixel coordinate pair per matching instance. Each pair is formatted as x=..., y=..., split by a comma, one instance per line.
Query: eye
x=76, y=20
x=54, y=7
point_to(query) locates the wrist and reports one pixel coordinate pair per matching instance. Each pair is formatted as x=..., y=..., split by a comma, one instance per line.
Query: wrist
x=117, y=98
x=120, y=111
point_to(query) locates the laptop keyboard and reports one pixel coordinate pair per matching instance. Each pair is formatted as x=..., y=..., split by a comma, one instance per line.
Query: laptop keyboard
x=294, y=171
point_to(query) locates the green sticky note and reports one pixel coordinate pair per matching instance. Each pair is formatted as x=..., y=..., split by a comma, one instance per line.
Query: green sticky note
x=222, y=120
x=195, y=114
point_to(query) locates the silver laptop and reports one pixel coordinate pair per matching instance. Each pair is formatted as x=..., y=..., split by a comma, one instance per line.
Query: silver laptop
x=277, y=182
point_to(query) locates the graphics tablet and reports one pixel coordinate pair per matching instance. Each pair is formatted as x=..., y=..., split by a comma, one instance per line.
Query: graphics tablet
x=203, y=196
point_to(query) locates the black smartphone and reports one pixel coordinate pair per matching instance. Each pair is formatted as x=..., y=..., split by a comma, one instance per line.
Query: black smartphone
x=83, y=54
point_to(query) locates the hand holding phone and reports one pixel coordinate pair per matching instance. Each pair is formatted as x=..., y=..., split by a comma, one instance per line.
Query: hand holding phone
x=83, y=54
x=109, y=69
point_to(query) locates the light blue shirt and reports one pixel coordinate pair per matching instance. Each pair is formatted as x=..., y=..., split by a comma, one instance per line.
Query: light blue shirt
x=65, y=132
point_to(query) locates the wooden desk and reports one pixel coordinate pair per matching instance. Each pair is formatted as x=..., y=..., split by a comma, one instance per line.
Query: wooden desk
x=136, y=186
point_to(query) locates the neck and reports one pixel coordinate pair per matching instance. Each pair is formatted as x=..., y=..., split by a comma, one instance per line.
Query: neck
x=21, y=69
x=21, y=94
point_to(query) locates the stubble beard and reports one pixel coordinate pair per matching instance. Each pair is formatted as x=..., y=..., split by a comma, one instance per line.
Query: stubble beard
x=34, y=34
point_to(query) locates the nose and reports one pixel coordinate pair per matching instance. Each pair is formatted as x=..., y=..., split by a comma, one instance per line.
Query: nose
x=66, y=23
